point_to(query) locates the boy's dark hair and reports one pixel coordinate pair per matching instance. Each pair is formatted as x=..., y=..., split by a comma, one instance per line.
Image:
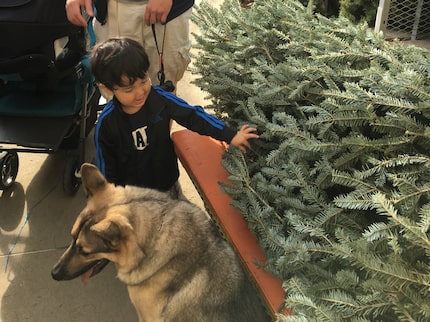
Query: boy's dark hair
x=117, y=57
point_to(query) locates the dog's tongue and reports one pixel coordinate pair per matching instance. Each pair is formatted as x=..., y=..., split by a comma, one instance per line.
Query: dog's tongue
x=86, y=276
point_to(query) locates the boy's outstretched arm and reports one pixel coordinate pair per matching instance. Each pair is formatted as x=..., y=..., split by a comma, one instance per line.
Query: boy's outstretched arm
x=241, y=139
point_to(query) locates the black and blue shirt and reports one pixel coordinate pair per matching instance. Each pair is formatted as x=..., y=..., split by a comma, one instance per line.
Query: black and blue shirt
x=136, y=149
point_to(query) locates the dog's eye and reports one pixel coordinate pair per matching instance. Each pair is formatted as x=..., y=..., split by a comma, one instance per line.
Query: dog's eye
x=81, y=251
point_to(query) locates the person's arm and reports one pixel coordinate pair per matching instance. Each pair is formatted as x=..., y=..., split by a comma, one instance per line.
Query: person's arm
x=73, y=11
x=196, y=119
x=157, y=11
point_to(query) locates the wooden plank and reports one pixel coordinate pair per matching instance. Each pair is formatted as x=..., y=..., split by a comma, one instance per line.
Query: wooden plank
x=201, y=158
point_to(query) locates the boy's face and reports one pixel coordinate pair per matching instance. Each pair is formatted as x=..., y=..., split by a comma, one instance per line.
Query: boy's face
x=132, y=96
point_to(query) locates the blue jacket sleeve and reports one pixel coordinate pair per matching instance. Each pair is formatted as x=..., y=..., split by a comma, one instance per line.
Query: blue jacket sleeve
x=195, y=118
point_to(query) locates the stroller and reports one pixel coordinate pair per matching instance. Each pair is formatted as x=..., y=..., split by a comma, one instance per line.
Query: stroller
x=48, y=99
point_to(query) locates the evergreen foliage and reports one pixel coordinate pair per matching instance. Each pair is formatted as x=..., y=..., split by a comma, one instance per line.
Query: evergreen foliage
x=337, y=189
x=359, y=10
x=328, y=8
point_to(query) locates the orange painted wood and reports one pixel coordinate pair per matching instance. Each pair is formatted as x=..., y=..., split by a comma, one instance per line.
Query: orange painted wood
x=201, y=158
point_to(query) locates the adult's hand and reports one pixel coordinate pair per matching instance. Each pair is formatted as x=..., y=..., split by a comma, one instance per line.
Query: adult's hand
x=157, y=11
x=73, y=11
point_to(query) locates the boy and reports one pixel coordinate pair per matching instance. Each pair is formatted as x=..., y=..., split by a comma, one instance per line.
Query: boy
x=132, y=135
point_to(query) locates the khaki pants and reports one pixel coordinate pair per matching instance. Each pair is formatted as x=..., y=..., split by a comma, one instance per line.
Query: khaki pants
x=127, y=19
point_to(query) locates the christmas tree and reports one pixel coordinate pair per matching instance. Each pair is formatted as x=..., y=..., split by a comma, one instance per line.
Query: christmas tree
x=337, y=189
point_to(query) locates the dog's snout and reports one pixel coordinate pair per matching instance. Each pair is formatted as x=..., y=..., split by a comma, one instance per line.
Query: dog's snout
x=56, y=273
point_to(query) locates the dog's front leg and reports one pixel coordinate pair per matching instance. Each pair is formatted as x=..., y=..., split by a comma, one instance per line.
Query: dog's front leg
x=148, y=302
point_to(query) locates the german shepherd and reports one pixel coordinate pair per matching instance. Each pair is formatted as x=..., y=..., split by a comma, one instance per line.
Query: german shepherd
x=167, y=251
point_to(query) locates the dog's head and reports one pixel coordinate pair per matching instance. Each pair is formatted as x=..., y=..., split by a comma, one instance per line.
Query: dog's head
x=101, y=232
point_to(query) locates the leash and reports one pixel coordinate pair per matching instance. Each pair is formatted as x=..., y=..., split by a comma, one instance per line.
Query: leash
x=160, y=74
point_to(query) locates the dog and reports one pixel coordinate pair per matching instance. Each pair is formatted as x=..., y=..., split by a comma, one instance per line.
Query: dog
x=176, y=265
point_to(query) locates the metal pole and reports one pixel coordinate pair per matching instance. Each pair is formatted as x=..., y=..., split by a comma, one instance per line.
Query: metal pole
x=382, y=15
x=417, y=20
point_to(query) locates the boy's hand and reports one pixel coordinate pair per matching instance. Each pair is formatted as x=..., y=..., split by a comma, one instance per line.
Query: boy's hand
x=240, y=140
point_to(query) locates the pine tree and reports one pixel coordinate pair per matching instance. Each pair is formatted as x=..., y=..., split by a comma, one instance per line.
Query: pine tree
x=337, y=189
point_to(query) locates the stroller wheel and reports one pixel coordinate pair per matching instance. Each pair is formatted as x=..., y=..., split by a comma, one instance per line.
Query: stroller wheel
x=8, y=169
x=71, y=180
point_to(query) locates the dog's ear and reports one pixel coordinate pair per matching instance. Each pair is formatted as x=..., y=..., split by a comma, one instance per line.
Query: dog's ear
x=109, y=231
x=92, y=179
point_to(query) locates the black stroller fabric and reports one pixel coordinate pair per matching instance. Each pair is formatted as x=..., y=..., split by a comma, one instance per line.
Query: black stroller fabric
x=29, y=24
x=37, y=82
x=29, y=29
x=48, y=99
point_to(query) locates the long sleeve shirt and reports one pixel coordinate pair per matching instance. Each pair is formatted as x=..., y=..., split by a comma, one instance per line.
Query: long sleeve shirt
x=136, y=149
